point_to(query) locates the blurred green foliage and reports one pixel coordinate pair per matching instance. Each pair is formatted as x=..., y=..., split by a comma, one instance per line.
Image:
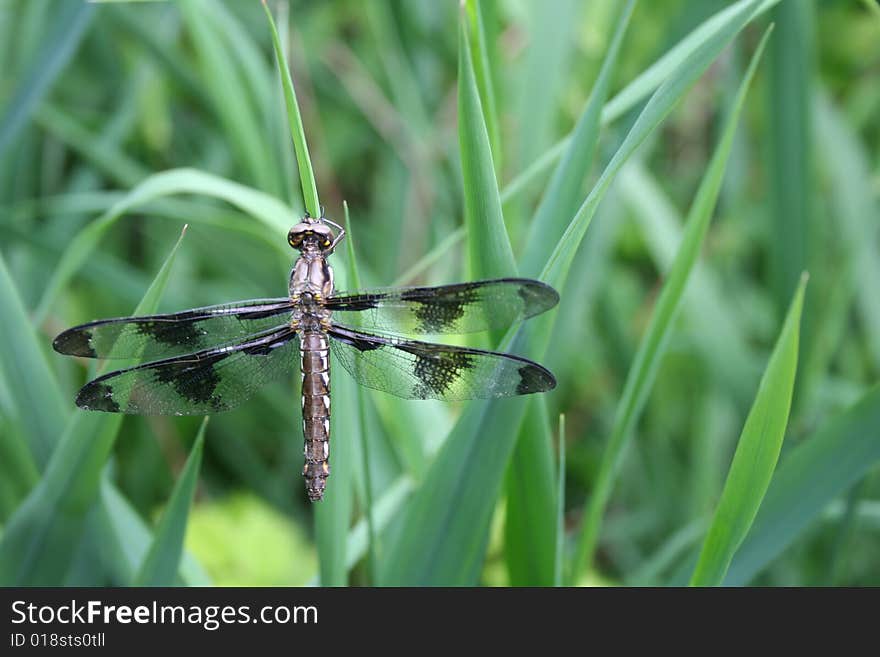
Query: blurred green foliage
x=98, y=98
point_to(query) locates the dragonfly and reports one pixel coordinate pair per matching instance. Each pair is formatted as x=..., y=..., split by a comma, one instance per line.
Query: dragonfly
x=211, y=359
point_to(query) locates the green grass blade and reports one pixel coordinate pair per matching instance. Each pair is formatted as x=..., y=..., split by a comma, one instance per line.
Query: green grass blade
x=36, y=548
x=266, y=209
x=303, y=161
x=560, y=199
x=59, y=45
x=161, y=564
x=131, y=539
x=657, y=108
x=483, y=71
x=643, y=86
x=756, y=454
x=41, y=410
x=560, y=507
x=813, y=474
x=653, y=76
x=440, y=541
x=643, y=370
x=354, y=280
x=789, y=167
x=490, y=254
x=529, y=527
x=105, y=156
x=531, y=500
x=333, y=514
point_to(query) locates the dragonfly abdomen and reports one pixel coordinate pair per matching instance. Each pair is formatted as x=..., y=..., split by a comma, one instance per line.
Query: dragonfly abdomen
x=316, y=412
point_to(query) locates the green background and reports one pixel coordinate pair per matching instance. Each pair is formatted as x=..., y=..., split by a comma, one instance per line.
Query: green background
x=691, y=212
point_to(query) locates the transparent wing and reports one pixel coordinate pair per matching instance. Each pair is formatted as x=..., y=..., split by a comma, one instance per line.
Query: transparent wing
x=459, y=308
x=207, y=381
x=164, y=336
x=421, y=370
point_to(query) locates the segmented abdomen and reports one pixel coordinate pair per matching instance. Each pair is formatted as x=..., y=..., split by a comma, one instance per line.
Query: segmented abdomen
x=315, y=370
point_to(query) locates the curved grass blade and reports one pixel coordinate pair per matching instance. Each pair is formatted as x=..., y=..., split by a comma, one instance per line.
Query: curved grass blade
x=560, y=200
x=301, y=147
x=160, y=566
x=27, y=376
x=36, y=547
x=440, y=541
x=820, y=469
x=529, y=533
x=649, y=80
x=657, y=108
x=490, y=254
x=59, y=44
x=756, y=454
x=266, y=209
x=642, y=372
x=129, y=539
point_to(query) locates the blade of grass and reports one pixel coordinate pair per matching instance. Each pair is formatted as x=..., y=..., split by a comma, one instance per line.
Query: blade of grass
x=58, y=47
x=440, y=541
x=641, y=374
x=657, y=108
x=355, y=281
x=36, y=547
x=644, y=85
x=560, y=507
x=490, y=254
x=262, y=207
x=41, y=410
x=483, y=73
x=301, y=147
x=789, y=149
x=529, y=526
x=529, y=543
x=160, y=565
x=130, y=539
x=820, y=469
x=756, y=454
x=560, y=199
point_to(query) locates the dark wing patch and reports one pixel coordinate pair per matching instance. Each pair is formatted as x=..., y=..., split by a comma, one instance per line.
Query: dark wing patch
x=208, y=381
x=459, y=308
x=421, y=370
x=164, y=336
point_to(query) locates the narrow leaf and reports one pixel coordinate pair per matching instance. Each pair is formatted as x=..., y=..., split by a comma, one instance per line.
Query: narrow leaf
x=560, y=199
x=488, y=244
x=27, y=376
x=266, y=209
x=301, y=147
x=36, y=547
x=439, y=541
x=560, y=507
x=161, y=564
x=643, y=370
x=756, y=454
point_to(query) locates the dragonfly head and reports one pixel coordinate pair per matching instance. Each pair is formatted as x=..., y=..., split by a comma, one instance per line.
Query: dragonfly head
x=310, y=235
